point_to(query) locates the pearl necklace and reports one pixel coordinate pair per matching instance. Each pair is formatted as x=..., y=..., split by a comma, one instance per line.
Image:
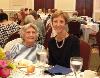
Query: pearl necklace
x=61, y=44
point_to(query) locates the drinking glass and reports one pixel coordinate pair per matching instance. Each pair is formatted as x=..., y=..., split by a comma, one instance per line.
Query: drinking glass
x=41, y=61
x=41, y=57
x=76, y=64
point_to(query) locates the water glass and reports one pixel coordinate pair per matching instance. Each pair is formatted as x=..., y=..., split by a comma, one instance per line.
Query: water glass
x=41, y=58
x=76, y=64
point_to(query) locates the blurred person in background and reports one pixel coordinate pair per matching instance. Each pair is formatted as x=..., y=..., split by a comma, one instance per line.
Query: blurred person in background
x=40, y=25
x=1, y=10
x=75, y=17
x=7, y=28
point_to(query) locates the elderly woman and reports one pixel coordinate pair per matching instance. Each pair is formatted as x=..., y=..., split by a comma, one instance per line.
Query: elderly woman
x=28, y=48
x=62, y=46
x=34, y=18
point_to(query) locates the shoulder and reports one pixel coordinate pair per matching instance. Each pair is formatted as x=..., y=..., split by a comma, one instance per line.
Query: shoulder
x=73, y=38
x=51, y=40
x=12, y=25
x=12, y=43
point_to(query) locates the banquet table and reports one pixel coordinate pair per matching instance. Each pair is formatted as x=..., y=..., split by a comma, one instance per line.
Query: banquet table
x=21, y=71
x=38, y=73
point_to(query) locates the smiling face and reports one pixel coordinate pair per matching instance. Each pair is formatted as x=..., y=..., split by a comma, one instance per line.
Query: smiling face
x=59, y=24
x=59, y=20
x=30, y=36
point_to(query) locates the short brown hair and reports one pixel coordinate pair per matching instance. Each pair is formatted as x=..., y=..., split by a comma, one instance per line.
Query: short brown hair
x=60, y=13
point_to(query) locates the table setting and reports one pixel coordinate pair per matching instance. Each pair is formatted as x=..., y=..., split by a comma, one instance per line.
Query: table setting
x=37, y=70
x=24, y=68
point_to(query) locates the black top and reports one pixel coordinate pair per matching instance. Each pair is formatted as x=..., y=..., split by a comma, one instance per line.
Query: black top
x=61, y=56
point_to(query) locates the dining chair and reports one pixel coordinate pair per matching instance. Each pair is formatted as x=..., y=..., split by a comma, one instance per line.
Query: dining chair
x=13, y=36
x=92, y=39
x=96, y=37
x=74, y=28
x=11, y=43
x=85, y=53
x=47, y=35
x=98, y=44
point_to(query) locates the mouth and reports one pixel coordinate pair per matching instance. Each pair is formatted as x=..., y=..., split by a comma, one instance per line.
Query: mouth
x=31, y=38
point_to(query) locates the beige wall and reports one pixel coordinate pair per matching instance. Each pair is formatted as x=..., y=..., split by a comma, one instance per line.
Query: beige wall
x=96, y=10
x=17, y=4
x=4, y=4
x=11, y=6
x=68, y=5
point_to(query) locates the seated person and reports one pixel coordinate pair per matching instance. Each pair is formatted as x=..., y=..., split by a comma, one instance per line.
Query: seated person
x=63, y=46
x=7, y=28
x=75, y=17
x=28, y=48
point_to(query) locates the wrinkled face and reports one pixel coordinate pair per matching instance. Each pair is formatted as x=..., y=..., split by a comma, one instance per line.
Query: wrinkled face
x=59, y=24
x=30, y=35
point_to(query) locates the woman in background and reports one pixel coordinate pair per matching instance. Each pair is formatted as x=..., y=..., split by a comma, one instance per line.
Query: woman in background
x=62, y=46
x=7, y=28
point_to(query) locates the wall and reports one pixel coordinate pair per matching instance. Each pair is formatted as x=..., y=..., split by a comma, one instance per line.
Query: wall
x=68, y=5
x=96, y=12
x=17, y=4
x=4, y=4
x=14, y=5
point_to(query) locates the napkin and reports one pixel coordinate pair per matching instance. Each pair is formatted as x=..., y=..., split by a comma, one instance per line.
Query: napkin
x=59, y=70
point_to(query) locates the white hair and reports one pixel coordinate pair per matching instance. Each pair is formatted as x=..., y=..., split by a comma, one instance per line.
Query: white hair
x=25, y=27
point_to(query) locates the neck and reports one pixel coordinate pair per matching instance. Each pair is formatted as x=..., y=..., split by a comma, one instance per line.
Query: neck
x=4, y=21
x=28, y=44
x=61, y=36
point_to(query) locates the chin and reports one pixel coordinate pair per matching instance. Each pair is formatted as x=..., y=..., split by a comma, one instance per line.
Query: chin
x=31, y=41
x=59, y=32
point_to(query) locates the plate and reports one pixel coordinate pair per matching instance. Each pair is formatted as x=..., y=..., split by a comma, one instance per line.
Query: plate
x=21, y=66
x=23, y=63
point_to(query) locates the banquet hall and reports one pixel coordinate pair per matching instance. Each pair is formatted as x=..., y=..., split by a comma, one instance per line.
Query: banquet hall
x=83, y=23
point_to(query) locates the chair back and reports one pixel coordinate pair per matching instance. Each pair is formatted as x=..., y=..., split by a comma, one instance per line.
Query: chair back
x=98, y=40
x=85, y=53
x=11, y=43
x=13, y=36
x=74, y=28
x=47, y=35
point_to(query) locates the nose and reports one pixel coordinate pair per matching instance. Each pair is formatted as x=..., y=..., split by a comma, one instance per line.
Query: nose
x=31, y=34
x=58, y=23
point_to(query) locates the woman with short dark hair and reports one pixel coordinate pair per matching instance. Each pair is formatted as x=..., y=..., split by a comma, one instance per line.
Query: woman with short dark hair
x=7, y=28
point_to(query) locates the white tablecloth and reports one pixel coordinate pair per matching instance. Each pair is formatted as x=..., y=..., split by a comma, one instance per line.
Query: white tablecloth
x=88, y=29
x=38, y=73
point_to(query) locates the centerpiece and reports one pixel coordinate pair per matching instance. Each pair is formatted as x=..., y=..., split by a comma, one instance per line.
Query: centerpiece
x=5, y=65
